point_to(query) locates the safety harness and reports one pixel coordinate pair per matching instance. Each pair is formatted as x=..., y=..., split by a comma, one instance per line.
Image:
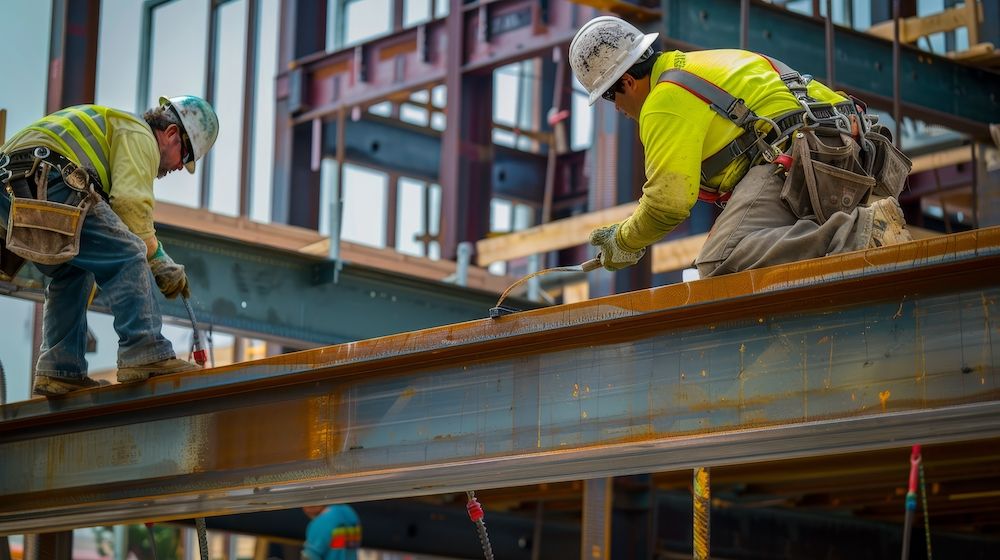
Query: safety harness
x=756, y=146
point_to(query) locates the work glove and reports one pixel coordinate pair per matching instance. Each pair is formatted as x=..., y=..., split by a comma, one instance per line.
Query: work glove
x=613, y=256
x=170, y=276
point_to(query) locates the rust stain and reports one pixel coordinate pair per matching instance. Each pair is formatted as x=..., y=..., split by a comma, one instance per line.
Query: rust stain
x=883, y=398
x=271, y=433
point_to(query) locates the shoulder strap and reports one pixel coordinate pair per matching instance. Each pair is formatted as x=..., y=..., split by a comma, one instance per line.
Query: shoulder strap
x=720, y=100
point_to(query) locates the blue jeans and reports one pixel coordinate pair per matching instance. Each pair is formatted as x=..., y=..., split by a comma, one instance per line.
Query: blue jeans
x=115, y=258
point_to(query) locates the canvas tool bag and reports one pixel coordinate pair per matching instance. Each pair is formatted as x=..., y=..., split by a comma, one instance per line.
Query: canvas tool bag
x=826, y=175
x=889, y=166
x=43, y=231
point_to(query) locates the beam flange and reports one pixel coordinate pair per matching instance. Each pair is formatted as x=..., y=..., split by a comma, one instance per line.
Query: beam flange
x=852, y=352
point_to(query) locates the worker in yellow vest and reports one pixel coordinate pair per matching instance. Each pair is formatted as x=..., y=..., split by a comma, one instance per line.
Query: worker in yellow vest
x=802, y=171
x=77, y=201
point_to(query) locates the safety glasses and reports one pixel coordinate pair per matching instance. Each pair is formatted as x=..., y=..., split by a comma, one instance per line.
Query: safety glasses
x=613, y=90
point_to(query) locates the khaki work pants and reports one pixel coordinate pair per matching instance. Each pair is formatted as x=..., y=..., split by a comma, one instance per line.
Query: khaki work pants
x=757, y=229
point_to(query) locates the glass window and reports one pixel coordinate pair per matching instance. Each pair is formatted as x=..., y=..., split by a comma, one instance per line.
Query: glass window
x=434, y=220
x=364, y=203
x=505, y=92
x=177, y=67
x=16, y=344
x=224, y=169
x=263, y=122
x=364, y=210
x=118, y=49
x=365, y=19
x=26, y=27
x=410, y=216
x=441, y=8
x=582, y=123
x=382, y=109
x=416, y=11
x=413, y=114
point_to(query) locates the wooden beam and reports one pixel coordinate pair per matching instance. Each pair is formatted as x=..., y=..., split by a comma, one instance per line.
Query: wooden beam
x=944, y=158
x=913, y=28
x=560, y=234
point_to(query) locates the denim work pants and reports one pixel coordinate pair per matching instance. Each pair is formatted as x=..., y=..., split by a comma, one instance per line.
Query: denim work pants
x=115, y=258
x=758, y=229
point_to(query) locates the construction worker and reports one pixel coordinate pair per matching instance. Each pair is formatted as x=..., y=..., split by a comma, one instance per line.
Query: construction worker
x=333, y=534
x=792, y=161
x=78, y=203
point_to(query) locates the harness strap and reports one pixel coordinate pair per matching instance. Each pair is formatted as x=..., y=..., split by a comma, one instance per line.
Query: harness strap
x=737, y=112
x=16, y=167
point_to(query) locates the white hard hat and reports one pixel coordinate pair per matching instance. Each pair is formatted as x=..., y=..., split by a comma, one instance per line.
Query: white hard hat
x=199, y=123
x=603, y=50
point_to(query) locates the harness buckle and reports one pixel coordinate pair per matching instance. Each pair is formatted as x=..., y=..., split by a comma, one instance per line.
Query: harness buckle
x=739, y=113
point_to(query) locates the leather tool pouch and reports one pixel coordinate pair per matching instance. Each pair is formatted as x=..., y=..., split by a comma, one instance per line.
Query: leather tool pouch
x=47, y=232
x=890, y=167
x=826, y=176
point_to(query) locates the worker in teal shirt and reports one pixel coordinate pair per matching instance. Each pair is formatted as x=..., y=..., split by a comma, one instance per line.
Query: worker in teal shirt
x=333, y=534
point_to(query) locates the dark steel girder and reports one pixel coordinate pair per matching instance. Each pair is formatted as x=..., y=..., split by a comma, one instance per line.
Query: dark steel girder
x=933, y=88
x=290, y=297
x=416, y=152
x=867, y=350
x=494, y=33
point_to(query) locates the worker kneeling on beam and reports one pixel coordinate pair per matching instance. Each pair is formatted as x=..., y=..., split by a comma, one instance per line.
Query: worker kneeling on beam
x=78, y=202
x=802, y=170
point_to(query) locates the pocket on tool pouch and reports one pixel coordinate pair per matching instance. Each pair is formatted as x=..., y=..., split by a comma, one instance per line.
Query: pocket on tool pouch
x=890, y=167
x=832, y=189
x=826, y=176
x=45, y=232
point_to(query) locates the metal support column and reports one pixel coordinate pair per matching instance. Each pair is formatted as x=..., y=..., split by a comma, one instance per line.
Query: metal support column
x=295, y=197
x=54, y=546
x=596, y=535
x=467, y=145
x=72, y=53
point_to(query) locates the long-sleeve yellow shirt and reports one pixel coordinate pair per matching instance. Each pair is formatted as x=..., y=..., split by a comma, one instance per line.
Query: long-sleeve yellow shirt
x=679, y=130
x=133, y=162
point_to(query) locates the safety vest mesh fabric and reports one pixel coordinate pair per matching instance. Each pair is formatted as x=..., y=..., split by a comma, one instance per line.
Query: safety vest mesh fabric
x=81, y=134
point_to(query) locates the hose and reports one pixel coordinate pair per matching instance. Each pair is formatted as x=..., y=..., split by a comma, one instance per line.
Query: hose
x=199, y=526
x=476, y=515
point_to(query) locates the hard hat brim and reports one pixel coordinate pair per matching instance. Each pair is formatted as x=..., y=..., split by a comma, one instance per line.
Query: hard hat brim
x=647, y=41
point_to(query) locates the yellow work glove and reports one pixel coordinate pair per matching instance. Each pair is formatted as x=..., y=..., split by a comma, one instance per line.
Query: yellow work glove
x=170, y=276
x=613, y=255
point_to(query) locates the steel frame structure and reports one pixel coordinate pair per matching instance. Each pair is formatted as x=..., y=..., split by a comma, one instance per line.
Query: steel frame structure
x=728, y=370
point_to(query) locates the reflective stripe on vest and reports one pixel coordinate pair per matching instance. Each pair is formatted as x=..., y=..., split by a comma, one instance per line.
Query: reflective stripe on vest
x=81, y=132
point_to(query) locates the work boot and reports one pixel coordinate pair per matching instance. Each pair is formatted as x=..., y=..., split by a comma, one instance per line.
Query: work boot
x=50, y=386
x=888, y=224
x=143, y=372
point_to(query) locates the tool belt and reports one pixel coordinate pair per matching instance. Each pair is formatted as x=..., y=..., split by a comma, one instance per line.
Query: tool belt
x=40, y=230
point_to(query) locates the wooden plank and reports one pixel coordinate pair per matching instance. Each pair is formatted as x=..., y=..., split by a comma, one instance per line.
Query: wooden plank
x=560, y=234
x=913, y=28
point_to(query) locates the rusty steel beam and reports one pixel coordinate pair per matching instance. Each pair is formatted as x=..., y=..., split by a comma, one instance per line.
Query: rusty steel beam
x=867, y=350
x=492, y=34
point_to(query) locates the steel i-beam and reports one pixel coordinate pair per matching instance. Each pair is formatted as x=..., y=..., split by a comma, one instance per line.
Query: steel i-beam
x=867, y=350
